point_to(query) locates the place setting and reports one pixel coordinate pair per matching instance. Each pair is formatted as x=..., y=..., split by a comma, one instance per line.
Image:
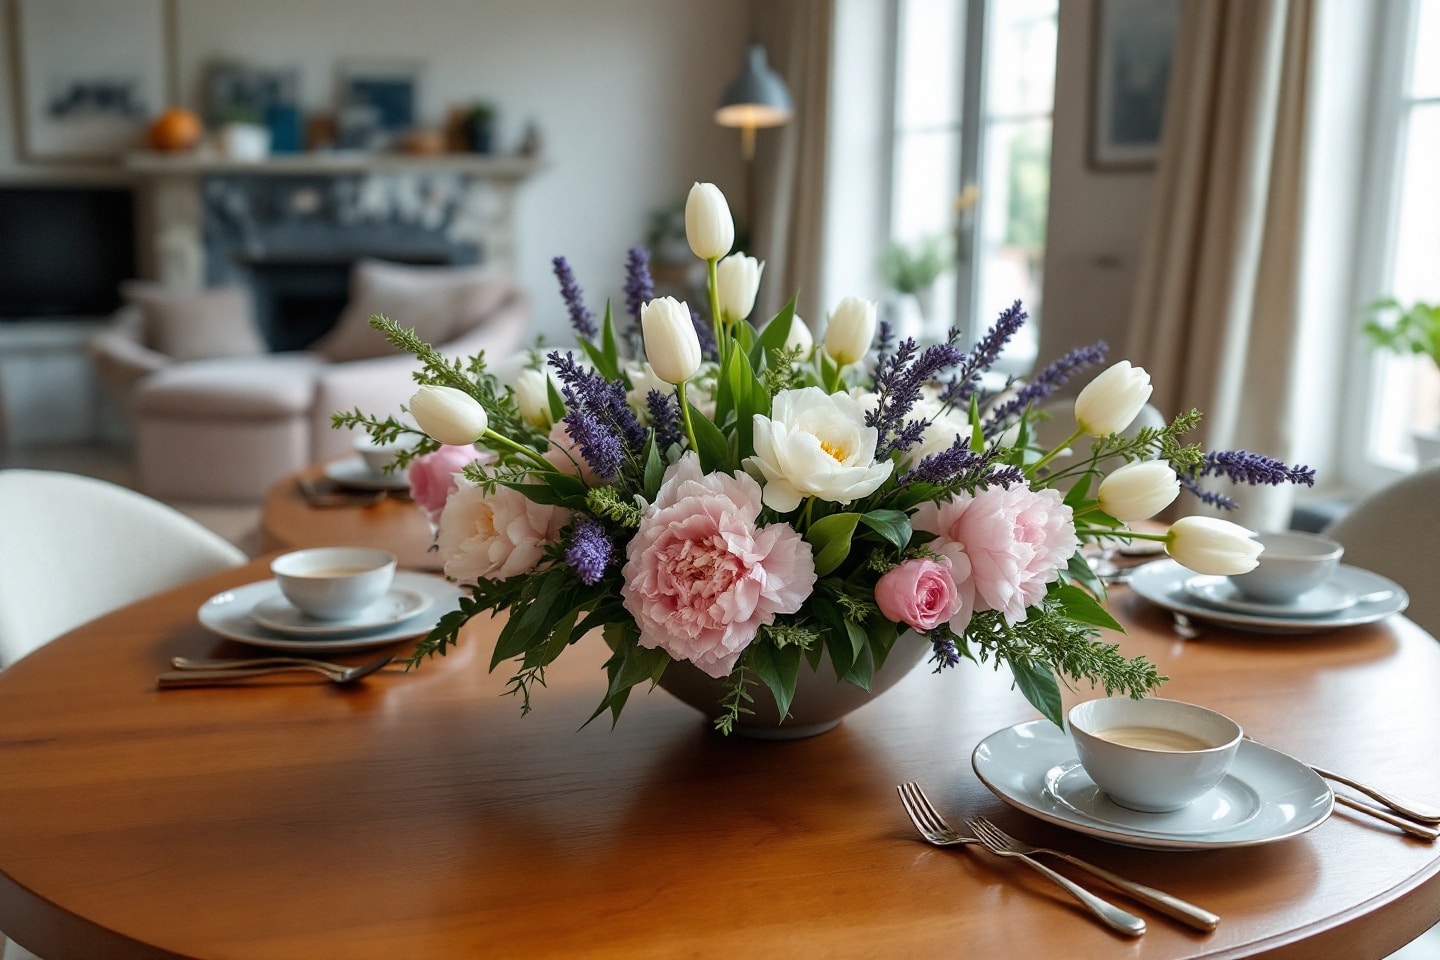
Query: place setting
x=1299, y=586
x=369, y=468
x=1153, y=774
x=330, y=599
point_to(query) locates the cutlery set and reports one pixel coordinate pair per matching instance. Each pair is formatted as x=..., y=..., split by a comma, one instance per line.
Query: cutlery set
x=188, y=672
x=1416, y=819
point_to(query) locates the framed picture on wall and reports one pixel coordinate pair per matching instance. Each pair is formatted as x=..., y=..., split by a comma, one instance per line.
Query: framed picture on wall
x=92, y=73
x=378, y=101
x=1134, y=46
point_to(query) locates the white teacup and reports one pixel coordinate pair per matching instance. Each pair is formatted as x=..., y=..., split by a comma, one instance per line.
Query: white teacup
x=379, y=456
x=334, y=583
x=1291, y=564
x=1153, y=755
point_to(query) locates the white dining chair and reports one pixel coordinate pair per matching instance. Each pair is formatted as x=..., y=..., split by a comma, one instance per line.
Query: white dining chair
x=73, y=548
x=1395, y=532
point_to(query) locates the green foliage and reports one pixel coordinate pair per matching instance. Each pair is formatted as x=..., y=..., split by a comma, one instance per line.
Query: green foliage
x=1400, y=329
x=911, y=268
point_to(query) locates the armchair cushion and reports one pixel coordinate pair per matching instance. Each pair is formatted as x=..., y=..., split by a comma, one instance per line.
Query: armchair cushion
x=439, y=302
x=196, y=325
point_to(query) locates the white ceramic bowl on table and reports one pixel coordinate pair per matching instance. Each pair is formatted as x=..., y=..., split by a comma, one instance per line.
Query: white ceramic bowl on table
x=331, y=583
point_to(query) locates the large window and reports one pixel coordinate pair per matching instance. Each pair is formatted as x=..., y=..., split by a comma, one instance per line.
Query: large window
x=975, y=85
x=1404, y=391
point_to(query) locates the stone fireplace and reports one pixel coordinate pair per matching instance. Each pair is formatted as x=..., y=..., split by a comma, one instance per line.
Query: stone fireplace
x=290, y=228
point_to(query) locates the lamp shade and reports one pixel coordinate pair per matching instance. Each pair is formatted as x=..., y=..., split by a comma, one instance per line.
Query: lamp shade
x=757, y=97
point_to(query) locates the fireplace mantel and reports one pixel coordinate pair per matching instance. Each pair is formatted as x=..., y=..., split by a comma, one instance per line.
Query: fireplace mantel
x=176, y=190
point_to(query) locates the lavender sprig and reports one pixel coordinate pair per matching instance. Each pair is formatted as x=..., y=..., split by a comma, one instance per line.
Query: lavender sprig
x=946, y=654
x=664, y=418
x=1046, y=382
x=984, y=354
x=639, y=287
x=580, y=318
x=885, y=342
x=898, y=382
x=600, y=421
x=1240, y=466
x=590, y=551
x=709, y=349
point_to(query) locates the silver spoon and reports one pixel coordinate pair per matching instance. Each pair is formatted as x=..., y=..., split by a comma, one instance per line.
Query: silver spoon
x=194, y=678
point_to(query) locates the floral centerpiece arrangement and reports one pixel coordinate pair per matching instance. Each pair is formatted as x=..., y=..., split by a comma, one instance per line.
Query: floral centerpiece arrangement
x=752, y=505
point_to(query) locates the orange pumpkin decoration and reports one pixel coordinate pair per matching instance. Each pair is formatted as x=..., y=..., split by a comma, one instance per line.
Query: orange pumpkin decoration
x=175, y=129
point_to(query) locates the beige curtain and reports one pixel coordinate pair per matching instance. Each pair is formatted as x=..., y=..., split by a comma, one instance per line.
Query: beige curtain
x=1216, y=311
x=789, y=174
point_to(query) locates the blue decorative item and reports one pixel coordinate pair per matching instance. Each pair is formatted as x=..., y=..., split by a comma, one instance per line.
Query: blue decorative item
x=285, y=128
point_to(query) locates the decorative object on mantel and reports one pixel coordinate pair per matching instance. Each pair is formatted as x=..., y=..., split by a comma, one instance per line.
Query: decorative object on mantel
x=730, y=508
x=1414, y=329
x=377, y=102
x=175, y=129
x=90, y=76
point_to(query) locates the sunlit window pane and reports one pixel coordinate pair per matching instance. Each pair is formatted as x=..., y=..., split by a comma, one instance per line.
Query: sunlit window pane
x=1012, y=227
x=1425, y=76
x=928, y=69
x=1417, y=241
x=925, y=165
x=1020, y=58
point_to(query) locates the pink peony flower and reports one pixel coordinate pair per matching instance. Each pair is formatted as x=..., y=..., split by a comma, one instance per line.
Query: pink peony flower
x=567, y=456
x=919, y=593
x=433, y=476
x=701, y=578
x=496, y=536
x=1004, y=545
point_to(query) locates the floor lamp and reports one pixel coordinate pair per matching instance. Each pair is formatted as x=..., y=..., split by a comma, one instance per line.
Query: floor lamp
x=756, y=98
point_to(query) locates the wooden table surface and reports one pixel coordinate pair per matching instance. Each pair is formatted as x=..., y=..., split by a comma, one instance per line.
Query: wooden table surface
x=419, y=815
x=289, y=522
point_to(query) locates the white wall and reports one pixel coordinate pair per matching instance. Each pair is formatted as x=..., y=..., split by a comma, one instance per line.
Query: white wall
x=1097, y=218
x=622, y=92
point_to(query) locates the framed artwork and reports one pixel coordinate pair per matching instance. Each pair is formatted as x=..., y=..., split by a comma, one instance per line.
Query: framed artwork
x=378, y=100
x=91, y=75
x=1134, y=47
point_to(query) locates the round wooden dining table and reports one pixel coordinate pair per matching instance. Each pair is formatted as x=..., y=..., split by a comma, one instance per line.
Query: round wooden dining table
x=420, y=815
x=288, y=521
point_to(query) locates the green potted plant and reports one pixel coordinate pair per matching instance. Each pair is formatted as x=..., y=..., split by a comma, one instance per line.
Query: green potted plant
x=912, y=269
x=480, y=127
x=1415, y=329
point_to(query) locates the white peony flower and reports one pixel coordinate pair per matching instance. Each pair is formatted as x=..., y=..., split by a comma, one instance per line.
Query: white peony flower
x=816, y=444
x=497, y=536
x=945, y=425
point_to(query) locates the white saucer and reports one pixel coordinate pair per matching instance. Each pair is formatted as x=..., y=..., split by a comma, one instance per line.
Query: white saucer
x=1329, y=597
x=229, y=615
x=1267, y=796
x=355, y=472
x=1162, y=582
x=282, y=616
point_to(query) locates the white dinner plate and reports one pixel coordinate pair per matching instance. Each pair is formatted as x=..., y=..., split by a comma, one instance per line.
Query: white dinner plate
x=282, y=616
x=1266, y=796
x=1162, y=582
x=229, y=615
x=355, y=472
x=1329, y=597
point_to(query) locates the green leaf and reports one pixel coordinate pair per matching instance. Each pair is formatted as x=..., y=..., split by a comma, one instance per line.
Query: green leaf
x=893, y=525
x=743, y=334
x=654, y=468
x=714, y=449
x=557, y=402
x=609, y=348
x=772, y=338
x=1080, y=491
x=741, y=392
x=883, y=635
x=862, y=671
x=544, y=600
x=1079, y=605
x=557, y=488
x=779, y=669
x=830, y=537
x=1040, y=688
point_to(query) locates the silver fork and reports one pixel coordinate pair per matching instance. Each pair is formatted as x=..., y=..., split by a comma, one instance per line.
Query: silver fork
x=933, y=828
x=195, y=678
x=1172, y=906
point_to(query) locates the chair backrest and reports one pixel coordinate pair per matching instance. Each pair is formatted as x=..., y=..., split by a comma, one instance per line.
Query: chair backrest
x=73, y=548
x=1395, y=531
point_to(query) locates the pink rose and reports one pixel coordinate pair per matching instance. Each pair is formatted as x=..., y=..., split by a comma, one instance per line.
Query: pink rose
x=1004, y=545
x=567, y=456
x=919, y=593
x=495, y=536
x=701, y=578
x=433, y=475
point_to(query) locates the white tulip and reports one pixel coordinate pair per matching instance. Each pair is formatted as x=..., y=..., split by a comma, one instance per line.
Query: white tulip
x=699, y=391
x=672, y=346
x=1213, y=546
x=800, y=337
x=737, y=280
x=816, y=444
x=1110, y=401
x=449, y=415
x=708, y=224
x=851, y=330
x=532, y=396
x=1139, y=490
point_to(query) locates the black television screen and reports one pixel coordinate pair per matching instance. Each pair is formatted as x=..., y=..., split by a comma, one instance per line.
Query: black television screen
x=64, y=250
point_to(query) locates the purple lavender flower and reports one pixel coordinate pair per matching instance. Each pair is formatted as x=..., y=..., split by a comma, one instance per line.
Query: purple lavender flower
x=590, y=551
x=580, y=318
x=984, y=354
x=664, y=418
x=898, y=382
x=604, y=400
x=639, y=287
x=709, y=349
x=599, y=445
x=945, y=653
x=1046, y=382
x=1239, y=466
x=885, y=342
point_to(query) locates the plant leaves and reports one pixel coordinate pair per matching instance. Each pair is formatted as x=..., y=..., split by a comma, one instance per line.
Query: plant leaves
x=714, y=449
x=830, y=537
x=893, y=525
x=1079, y=605
x=779, y=669
x=1040, y=688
